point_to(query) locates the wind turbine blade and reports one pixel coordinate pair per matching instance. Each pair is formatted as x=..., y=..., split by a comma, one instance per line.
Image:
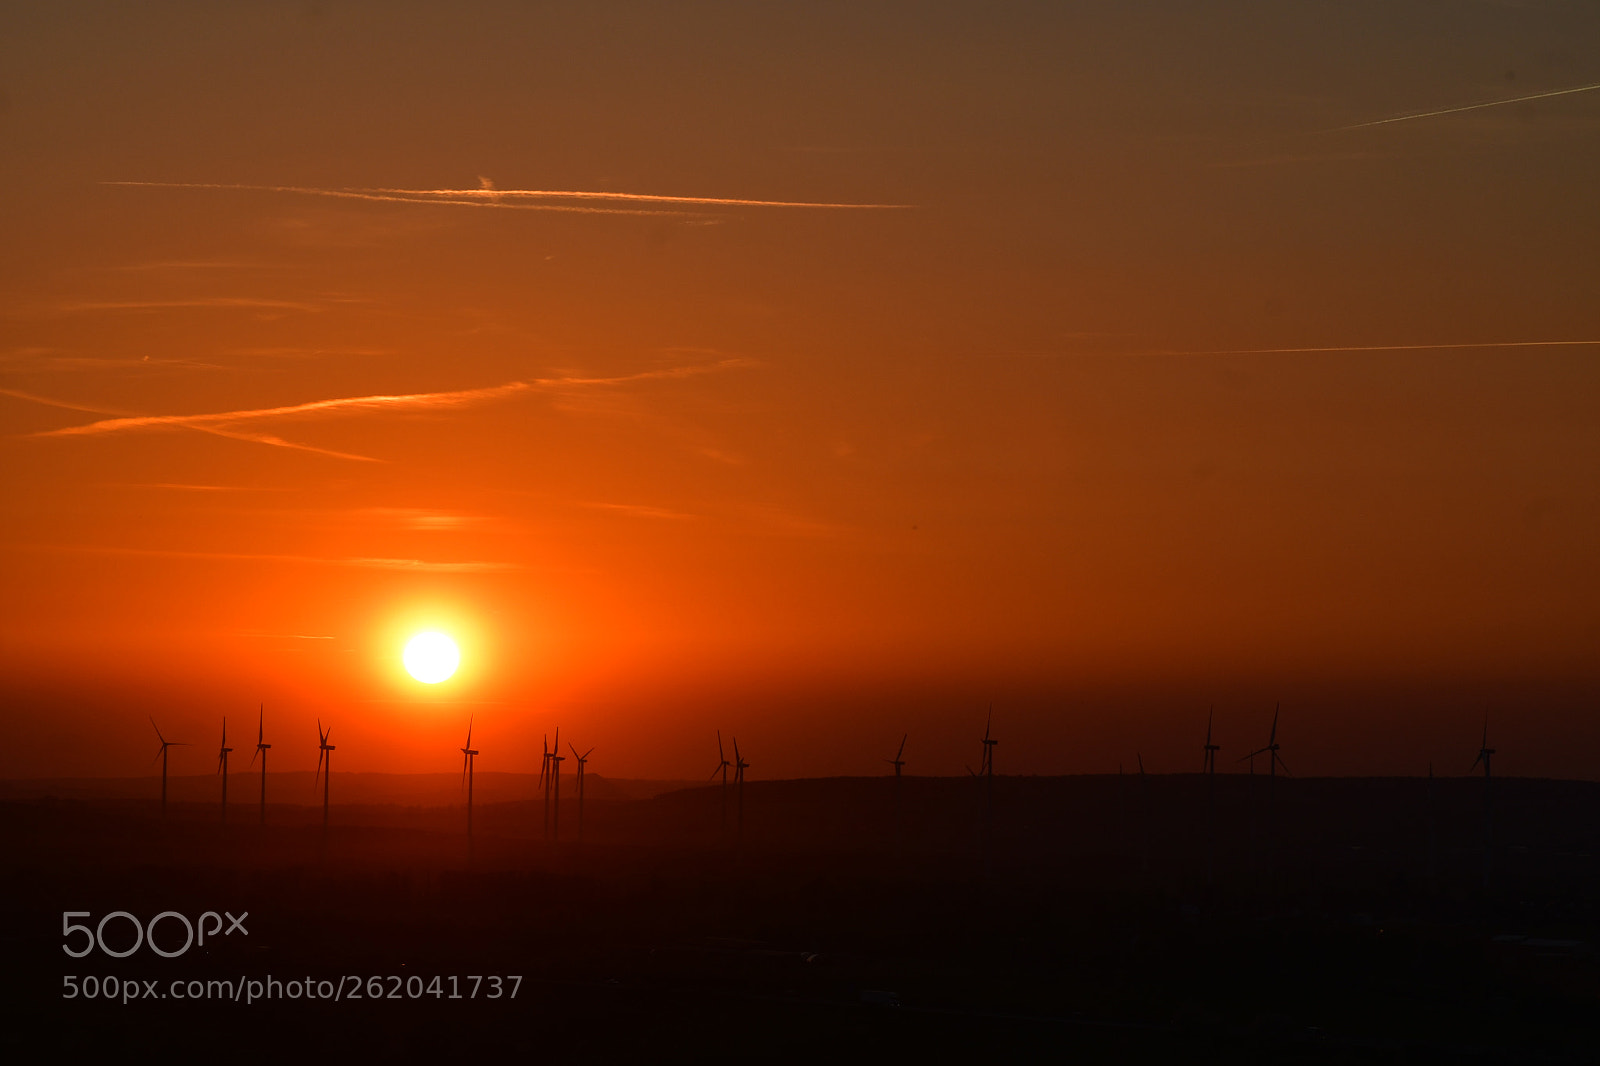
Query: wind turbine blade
x=1273, y=737
x=464, y=758
x=572, y=749
x=261, y=722
x=164, y=739
x=1281, y=763
x=1209, y=715
x=253, y=755
x=969, y=770
x=586, y=754
x=720, y=753
x=469, y=731
x=902, y=750
x=1140, y=757
x=224, y=730
x=737, y=758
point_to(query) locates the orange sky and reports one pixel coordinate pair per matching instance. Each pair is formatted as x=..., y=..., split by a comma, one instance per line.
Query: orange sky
x=1176, y=375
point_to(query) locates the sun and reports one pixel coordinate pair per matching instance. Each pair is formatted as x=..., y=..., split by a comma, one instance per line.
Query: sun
x=431, y=657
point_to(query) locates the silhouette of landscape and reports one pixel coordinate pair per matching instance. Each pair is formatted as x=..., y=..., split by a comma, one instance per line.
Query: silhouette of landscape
x=1350, y=924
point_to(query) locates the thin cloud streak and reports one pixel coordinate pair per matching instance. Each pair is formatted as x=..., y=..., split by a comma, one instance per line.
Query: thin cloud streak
x=221, y=423
x=1389, y=348
x=359, y=562
x=1472, y=107
x=491, y=197
x=370, y=403
x=383, y=197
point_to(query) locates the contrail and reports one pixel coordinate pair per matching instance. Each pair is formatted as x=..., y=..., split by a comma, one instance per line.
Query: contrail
x=1392, y=347
x=492, y=197
x=382, y=197
x=370, y=403
x=222, y=423
x=1472, y=107
x=491, y=194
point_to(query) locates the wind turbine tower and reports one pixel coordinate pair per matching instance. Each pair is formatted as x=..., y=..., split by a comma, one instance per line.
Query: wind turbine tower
x=556, y=759
x=222, y=768
x=544, y=783
x=1210, y=770
x=898, y=762
x=324, y=767
x=261, y=750
x=739, y=767
x=162, y=755
x=722, y=768
x=582, y=761
x=1274, y=760
x=1485, y=755
x=469, y=756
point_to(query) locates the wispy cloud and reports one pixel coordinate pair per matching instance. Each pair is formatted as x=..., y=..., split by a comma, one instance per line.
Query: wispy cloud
x=638, y=510
x=224, y=423
x=1414, y=115
x=525, y=199
x=221, y=302
x=1388, y=348
x=358, y=562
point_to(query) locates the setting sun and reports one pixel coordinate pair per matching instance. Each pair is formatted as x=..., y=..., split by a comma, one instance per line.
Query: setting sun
x=431, y=657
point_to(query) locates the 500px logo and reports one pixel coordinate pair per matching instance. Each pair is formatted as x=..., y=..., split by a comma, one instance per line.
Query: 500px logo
x=145, y=933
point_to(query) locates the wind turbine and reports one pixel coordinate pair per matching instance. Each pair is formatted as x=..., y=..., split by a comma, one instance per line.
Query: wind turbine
x=261, y=750
x=898, y=763
x=739, y=766
x=987, y=770
x=1144, y=812
x=324, y=767
x=222, y=768
x=556, y=759
x=582, y=761
x=468, y=756
x=1210, y=770
x=544, y=783
x=1485, y=755
x=987, y=766
x=162, y=755
x=722, y=768
x=1274, y=760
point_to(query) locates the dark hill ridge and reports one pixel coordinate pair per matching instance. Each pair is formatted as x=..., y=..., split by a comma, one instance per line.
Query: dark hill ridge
x=296, y=787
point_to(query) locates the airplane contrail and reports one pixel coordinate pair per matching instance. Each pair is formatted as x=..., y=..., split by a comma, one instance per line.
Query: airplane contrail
x=371, y=403
x=1392, y=347
x=493, y=197
x=382, y=197
x=492, y=193
x=223, y=423
x=1472, y=107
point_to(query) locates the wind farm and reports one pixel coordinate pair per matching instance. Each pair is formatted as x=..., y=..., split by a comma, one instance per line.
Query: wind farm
x=624, y=372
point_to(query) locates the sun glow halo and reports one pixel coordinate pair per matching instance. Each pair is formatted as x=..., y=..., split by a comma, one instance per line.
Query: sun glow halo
x=431, y=657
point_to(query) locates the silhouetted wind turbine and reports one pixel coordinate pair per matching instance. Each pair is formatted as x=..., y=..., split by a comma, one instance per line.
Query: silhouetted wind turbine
x=222, y=768
x=556, y=759
x=739, y=766
x=582, y=761
x=1274, y=760
x=899, y=764
x=261, y=750
x=1210, y=770
x=544, y=783
x=162, y=755
x=324, y=767
x=1485, y=756
x=468, y=756
x=722, y=768
x=987, y=767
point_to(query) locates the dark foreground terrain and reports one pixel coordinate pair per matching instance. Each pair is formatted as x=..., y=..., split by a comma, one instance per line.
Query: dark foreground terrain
x=1070, y=918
